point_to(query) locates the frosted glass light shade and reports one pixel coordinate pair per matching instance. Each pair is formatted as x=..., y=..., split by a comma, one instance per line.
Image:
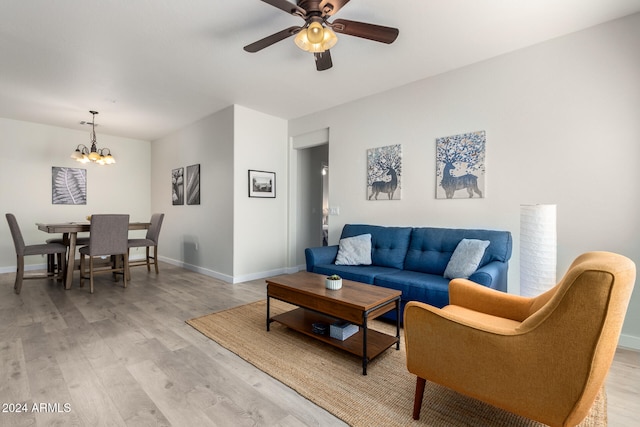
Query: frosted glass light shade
x=538, y=249
x=316, y=38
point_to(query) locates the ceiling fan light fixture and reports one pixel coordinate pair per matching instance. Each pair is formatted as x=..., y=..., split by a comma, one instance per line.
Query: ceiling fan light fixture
x=316, y=38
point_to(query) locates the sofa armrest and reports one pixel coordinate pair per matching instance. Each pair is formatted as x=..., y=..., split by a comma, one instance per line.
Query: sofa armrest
x=320, y=255
x=492, y=275
x=470, y=295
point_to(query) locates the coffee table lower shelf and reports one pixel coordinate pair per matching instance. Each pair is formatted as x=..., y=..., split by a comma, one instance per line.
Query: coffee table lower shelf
x=301, y=320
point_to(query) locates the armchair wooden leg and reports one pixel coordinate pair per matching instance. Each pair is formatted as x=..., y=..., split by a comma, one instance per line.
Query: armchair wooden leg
x=417, y=403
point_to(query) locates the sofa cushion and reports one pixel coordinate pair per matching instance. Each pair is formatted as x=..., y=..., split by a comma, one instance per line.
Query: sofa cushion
x=415, y=286
x=466, y=258
x=354, y=250
x=431, y=248
x=388, y=244
x=359, y=273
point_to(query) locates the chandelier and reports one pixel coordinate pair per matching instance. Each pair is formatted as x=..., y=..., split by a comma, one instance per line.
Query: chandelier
x=101, y=156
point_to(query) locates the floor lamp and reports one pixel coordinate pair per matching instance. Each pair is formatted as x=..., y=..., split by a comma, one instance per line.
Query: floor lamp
x=538, y=249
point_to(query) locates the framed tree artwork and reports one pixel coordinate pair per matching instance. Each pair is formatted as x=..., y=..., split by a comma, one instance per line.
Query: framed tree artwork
x=262, y=184
x=384, y=172
x=460, y=166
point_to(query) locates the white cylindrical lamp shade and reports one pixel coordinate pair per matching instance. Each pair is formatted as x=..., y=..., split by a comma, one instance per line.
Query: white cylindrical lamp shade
x=538, y=249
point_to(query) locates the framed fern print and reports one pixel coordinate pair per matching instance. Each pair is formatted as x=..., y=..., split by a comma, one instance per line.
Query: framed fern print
x=193, y=184
x=68, y=186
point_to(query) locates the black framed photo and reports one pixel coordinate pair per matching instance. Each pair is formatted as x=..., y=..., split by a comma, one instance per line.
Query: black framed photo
x=262, y=184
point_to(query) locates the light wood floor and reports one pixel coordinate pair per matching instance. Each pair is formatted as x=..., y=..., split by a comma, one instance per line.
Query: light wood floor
x=126, y=357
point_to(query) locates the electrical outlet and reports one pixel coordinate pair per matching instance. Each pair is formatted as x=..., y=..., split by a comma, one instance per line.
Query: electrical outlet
x=334, y=210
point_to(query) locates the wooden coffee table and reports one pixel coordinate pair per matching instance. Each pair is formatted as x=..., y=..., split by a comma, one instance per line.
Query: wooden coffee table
x=355, y=302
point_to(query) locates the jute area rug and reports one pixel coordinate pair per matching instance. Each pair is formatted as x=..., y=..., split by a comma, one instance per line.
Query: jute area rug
x=332, y=378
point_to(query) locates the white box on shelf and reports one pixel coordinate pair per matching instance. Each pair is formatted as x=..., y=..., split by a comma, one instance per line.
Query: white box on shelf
x=342, y=330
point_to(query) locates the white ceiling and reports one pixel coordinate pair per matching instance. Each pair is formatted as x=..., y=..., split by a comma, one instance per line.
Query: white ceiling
x=151, y=67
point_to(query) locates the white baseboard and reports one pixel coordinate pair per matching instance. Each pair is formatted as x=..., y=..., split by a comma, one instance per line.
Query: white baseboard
x=43, y=266
x=233, y=279
x=629, y=341
x=30, y=267
x=201, y=270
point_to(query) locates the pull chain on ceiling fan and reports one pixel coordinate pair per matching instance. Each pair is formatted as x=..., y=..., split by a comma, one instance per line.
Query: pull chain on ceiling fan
x=317, y=35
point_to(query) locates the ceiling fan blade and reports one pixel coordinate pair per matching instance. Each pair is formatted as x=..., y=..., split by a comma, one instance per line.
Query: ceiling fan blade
x=373, y=32
x=288, y=7
x=273, y=38
x=330, y=7
x=323, y=60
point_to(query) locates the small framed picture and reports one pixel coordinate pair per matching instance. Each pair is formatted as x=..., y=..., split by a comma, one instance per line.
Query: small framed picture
x=262, y=184
x=193, y=184
x=177, y=186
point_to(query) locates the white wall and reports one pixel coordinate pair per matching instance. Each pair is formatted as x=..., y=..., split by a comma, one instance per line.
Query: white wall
x=28, y=151
x=199, y=237
x=260, y=224
x=562, y=120
x=229, y=235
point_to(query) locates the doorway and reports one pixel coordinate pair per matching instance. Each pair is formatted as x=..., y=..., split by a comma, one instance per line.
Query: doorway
x=312, y=198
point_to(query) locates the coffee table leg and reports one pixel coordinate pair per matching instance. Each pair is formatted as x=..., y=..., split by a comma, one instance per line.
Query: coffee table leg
x=364, y=345
x=268, y=322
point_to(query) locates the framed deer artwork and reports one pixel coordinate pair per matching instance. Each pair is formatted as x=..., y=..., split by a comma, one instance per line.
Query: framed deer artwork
x=460, y=166
x=384, y=173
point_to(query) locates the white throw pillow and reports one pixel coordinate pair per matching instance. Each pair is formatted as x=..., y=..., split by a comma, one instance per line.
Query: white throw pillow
x=355, y=250
x=466, y=258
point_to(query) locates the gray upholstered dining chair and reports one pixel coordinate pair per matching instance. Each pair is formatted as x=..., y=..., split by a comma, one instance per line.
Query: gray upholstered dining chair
x=23, y=250
x=153, y=234
x=54, y=266
x=108, y=236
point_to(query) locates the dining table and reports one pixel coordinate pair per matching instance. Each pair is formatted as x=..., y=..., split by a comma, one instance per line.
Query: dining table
x=70, y=232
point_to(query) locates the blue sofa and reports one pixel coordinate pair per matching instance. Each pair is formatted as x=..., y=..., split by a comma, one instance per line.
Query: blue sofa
x=413, y=260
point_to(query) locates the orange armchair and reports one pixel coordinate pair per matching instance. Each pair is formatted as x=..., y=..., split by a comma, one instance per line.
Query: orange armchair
x=545, y=358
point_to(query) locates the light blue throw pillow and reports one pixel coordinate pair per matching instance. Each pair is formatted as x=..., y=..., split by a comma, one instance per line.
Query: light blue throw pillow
x=354, y=250
x=466, y=258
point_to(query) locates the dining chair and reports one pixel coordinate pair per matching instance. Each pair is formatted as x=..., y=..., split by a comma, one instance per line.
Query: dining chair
x=55, y=265
x=23, y=250
x=58, y=265
x=153, y=233
x=108, y=236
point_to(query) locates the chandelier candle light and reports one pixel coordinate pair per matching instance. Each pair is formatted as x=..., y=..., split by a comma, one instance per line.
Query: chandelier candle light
x=101, y=156
x=538, y=249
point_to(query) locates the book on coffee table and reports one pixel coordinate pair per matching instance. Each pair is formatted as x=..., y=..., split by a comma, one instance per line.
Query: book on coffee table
x=342, y=330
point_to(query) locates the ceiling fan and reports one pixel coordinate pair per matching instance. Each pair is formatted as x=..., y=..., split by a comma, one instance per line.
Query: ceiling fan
x=317, y=35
